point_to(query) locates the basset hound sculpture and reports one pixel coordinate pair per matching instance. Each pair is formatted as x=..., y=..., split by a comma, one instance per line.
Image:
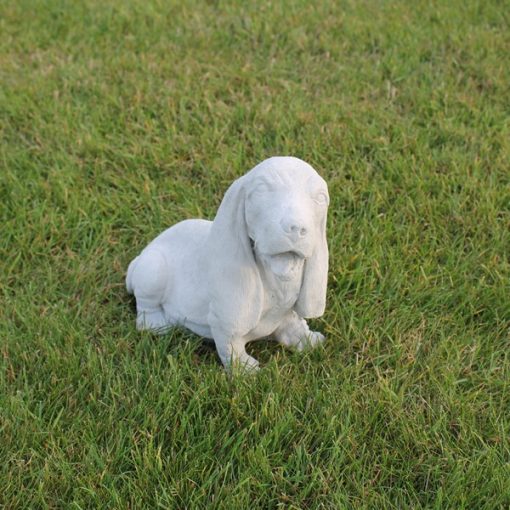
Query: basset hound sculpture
x=259, y=269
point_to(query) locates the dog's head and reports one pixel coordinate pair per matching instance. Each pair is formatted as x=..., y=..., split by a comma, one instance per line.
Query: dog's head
x=285, y=211
x=278, y=210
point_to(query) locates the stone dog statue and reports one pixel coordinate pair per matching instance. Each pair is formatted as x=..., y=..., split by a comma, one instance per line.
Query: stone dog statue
x=258, y=269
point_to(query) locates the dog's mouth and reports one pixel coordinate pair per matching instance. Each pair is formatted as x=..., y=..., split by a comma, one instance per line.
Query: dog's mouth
x=286, y=265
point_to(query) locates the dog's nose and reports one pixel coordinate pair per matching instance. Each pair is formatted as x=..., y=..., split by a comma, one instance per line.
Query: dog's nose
x=295, y=228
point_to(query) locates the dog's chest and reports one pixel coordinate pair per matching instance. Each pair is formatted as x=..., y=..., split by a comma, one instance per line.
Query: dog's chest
x=282, y=296
x=279, y=298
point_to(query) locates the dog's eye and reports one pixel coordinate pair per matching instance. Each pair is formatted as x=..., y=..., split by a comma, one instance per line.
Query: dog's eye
x=262, y=187
x=321, y=198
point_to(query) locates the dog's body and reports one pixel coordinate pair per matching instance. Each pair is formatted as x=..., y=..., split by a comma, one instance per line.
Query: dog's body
x=256, y=270
x=178, y=297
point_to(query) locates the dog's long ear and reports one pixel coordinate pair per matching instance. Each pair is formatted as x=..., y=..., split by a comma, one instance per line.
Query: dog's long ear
x=235, y=286
x=312, y=297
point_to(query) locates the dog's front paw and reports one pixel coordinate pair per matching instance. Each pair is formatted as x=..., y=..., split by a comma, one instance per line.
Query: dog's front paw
x=294, y=333
x=310, y=341
x=152, y=321
x=243, y=364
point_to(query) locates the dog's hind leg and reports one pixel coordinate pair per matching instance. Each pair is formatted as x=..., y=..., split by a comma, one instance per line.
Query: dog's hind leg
x=148, y=278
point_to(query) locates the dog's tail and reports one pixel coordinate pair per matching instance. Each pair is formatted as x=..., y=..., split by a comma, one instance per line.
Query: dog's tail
x=129, y=276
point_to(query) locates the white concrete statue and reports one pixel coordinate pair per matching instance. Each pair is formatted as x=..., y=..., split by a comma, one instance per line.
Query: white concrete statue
x=258, y=269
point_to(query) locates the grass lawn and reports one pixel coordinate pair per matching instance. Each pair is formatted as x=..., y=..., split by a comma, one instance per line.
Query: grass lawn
x=118, y=119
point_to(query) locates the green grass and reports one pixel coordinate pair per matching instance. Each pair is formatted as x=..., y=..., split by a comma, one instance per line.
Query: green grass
x=118, y=119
